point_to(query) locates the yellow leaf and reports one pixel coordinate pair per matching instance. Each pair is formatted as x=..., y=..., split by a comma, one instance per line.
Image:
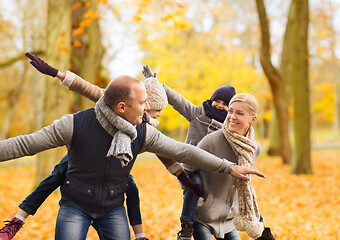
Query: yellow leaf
x=77, y=43
x=78, y=31
x=60, y=41
x=63, y=50
x=76, y=5
x=180, y=5
x=136, y=18
x=85, y=23
x=91, y=15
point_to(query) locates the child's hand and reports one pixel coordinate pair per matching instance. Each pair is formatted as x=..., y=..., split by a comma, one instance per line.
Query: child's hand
x=41, y=66
x=147, y=72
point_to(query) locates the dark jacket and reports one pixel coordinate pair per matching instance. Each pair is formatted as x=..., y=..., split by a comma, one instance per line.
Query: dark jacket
x=93, y=181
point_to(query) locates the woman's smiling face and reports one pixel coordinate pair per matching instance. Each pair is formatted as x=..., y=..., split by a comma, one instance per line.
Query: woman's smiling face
x=239, y=118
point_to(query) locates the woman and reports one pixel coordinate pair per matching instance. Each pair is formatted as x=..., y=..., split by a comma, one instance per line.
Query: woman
x=235, y=142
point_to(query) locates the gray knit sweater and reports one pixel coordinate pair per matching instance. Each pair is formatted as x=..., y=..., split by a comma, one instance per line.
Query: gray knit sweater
x=221, y=205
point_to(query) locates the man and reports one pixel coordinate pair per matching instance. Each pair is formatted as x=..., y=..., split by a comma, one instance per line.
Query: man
x=103, y=143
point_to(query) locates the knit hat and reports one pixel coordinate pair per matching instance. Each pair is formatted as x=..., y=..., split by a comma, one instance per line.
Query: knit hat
x=224, y=93
x=157, y=98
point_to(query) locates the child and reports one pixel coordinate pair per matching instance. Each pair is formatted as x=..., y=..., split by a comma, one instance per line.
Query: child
x=157, y=100
x=203, y=120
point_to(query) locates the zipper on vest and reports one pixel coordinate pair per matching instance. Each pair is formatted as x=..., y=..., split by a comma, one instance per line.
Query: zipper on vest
x=102, y=185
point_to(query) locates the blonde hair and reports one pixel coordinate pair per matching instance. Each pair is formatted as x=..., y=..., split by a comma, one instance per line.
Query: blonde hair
x=250, y=100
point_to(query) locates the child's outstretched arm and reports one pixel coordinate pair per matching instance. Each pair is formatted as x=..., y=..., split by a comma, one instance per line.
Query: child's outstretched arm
x=133, y=210
x=31, y=204
x=68, y=79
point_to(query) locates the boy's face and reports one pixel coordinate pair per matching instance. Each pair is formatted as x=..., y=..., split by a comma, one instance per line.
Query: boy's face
x=154, y=113
x=219, y=104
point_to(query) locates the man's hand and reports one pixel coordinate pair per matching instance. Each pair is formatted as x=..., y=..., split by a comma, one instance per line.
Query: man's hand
x=241, y=171
x=147, y=72
x=41, y=66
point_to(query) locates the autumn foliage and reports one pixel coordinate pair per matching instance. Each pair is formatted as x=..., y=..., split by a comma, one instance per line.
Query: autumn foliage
x=295, y=207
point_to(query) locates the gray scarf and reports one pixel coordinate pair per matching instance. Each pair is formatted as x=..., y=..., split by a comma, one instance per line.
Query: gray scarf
x=122, y=139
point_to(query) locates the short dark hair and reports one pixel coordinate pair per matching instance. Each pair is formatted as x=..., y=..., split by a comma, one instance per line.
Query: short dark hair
x=119, y=90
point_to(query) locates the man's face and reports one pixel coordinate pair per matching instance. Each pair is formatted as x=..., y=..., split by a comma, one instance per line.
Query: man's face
x=136, y=107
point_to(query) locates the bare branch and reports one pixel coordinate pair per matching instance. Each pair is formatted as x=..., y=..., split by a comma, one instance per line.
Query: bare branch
x=19, y=57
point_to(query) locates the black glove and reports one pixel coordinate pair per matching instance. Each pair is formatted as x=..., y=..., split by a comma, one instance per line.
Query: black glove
x=192, y=186
x=41, y=66
x=147, y=72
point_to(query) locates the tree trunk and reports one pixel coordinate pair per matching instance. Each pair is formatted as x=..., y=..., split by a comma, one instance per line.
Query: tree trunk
x=274, y=136
x=287, y=54
x=286, y=65
x=56, y=102
x=13, y=100
x=276, y=84
x=336, y=122
x=87, y=58
x=301, y=161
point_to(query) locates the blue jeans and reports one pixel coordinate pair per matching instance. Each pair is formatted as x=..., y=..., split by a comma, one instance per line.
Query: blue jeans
x=73, y=223
x=190, y=199
x=201, y=232
x=57, y=178
x=45, y=188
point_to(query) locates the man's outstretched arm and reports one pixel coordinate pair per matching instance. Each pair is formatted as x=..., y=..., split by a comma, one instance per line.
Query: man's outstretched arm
x=57, y=134
x=158, y=143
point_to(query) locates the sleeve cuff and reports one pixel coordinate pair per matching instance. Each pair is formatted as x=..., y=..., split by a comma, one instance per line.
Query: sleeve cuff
x=230, y=166
x=174, y=168
x=154, y=122
x=226, y=166
x=69, y=78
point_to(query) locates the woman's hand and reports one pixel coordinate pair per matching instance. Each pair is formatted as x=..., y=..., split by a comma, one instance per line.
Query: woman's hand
x=241, y=172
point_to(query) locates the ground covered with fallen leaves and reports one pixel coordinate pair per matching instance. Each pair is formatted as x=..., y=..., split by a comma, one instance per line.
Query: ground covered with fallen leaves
x=295, y=207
